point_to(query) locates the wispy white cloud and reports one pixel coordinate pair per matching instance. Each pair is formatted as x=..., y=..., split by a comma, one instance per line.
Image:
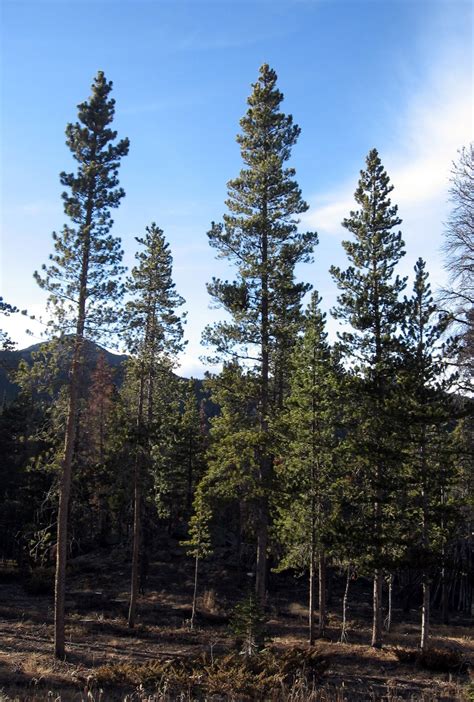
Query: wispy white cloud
x=418, y=155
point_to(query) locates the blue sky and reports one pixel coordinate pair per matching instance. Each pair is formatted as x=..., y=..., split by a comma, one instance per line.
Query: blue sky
x=356, y=74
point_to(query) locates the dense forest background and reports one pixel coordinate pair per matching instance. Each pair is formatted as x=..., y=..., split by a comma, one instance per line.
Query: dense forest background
x=347, y=460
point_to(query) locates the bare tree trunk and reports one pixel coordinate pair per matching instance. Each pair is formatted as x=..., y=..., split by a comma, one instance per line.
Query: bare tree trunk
x=388, y=618
x=262, y=545
x=136, y=510
x=193, y=610
x=312, y=568
x=64, y=493
x=322, y=594
x=377, y=610
x=265, y=459
x=69, y=446
x=425, y=614
x=343, y=638
x=136, y=547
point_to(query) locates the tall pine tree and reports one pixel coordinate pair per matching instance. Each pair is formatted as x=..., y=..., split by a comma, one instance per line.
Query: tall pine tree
x=260, y=237
x=154, y=337
x=369, y=303
x=83, y=276
x=428, y=408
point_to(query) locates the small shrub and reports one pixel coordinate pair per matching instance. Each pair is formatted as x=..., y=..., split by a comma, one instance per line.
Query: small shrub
x=248, y=625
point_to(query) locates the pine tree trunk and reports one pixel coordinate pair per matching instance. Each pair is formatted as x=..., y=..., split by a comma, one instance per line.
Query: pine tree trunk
x=193, y=610
x=69, y=446
x=136, y=510
x=322, y=594
x=377, y=610
x=265, y=460
x=136, y=547
x=64, y=493
x=425, y=614
x=388, y=618
x=262, y=545
x=312, y=568
x=345, y=598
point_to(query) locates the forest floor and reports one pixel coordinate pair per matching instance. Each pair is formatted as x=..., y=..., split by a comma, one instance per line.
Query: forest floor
x=99, y=642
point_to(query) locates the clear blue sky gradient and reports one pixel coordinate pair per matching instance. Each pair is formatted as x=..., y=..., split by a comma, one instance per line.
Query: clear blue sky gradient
x=396, y=75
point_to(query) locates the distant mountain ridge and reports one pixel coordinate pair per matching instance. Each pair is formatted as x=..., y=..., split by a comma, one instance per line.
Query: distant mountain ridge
x=9, y=361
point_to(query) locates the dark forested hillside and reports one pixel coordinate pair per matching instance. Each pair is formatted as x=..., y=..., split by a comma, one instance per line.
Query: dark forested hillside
x=10, y=360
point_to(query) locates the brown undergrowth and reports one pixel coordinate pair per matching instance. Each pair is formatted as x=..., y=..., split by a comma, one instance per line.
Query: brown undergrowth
x=163, y=660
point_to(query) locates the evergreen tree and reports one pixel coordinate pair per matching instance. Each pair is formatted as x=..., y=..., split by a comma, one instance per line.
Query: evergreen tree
x=186, y=459
x=427, y=409
x=259, y=236
x=82, y=278
x=308, y=470
x=154, y=337
x=6, y=344
x=369, y=303
x=198, y=543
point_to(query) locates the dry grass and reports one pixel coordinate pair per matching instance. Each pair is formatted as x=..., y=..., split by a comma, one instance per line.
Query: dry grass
x=98, y=639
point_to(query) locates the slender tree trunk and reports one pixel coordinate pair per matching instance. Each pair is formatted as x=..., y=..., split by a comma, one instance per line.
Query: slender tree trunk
x=425, y=614
x=322, y=594
x=377, y=610
x=189, y=491
x=136, y=510
x=265, y=459
x=64, y=493
x=262, y=545
x=345, y=598
x=388, y=618
x=69, y=446
x=136, y=547
x=193, y=610
x=312, y=568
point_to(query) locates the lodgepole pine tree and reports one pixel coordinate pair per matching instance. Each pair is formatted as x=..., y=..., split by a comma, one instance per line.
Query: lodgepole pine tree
x=308, y=471
x=154, y=337
x=83, y=276
x=369, y=303
x=260, y=237
x=428, y=409
x=198, y=543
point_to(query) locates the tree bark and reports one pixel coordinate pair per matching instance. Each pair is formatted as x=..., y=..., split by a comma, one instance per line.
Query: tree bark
x=322, y=594
x=64, y=494
x=136, y=548
x=136, y=510
x=388, y=618
x=265, y=460
x=425, y=614
x=377, y=610
x=193, y=610
x=262, y=545
x=312, y=568
x=345, y=598
x=69, y=446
